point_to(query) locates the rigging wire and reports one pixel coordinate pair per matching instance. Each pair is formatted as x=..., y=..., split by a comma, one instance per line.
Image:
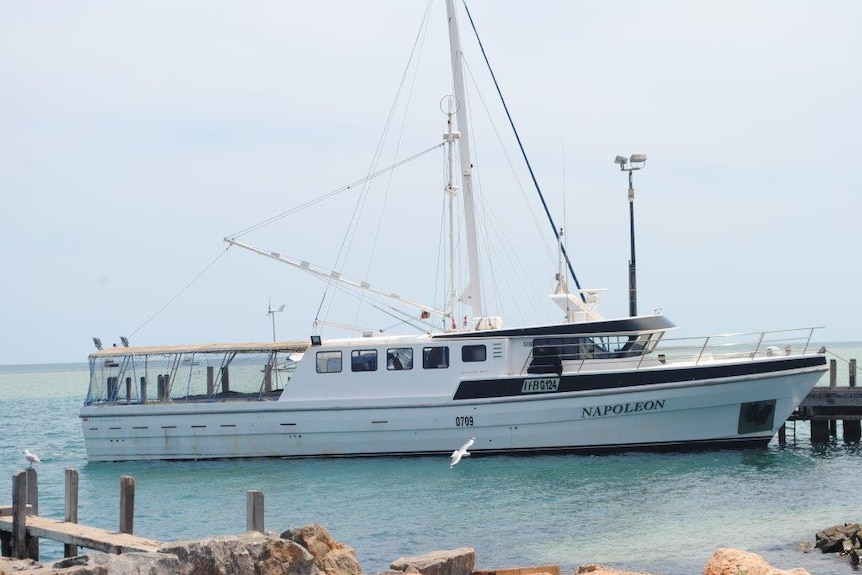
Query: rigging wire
x=523, y=152
x=187, y=286
x=326, y=196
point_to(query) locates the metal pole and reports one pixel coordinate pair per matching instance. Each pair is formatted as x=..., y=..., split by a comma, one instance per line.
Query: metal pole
x=633, y=297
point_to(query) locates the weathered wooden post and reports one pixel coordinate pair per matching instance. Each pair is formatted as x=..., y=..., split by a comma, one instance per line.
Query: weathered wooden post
x=819, y=431
x=852, y=427
x=782, y=434
x=128, y=389
x=71, y=507
x=33, y=502
x=254, y=511
x=160, y=384
x=19, y=515
x=127, y=504
x=143, y=389
x=833, y=372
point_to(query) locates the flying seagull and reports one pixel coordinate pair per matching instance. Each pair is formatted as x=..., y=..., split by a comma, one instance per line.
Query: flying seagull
x=461, y=452
x=31, y=457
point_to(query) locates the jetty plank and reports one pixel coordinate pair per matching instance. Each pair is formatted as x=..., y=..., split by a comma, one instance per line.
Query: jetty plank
x=84, y=536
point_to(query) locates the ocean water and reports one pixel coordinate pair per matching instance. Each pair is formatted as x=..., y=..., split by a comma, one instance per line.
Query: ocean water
x=663, y=513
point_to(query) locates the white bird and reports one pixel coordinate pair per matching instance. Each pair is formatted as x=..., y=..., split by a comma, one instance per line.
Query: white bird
x=461, y=452
x=31, y=457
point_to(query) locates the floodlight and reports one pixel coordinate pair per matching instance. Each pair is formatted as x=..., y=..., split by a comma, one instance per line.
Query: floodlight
x=621, y=161
x=638, y=158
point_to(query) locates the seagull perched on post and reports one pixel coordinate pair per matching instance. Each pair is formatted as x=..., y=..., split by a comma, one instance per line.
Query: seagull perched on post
x=461, y=452
x=31, y=457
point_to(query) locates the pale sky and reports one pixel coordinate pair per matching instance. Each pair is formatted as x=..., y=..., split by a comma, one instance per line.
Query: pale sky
x=134, y=136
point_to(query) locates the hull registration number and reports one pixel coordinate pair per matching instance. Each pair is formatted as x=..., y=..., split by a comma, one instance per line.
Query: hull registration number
x=541, y=385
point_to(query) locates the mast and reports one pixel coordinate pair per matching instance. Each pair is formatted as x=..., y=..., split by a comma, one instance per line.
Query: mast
x=472, y=294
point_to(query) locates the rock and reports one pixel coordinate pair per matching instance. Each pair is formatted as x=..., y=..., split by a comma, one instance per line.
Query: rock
x=451, y=562
x=733, y=562
x=252, y=553
x=597, y=569
x=831, y=539
x=330, y=556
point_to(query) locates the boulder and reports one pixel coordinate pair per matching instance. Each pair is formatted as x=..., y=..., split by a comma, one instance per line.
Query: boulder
x=450, y=562
x=831, y=539
x=251, y=553
x=598, y=569
x=330, y=556
x=733, y=562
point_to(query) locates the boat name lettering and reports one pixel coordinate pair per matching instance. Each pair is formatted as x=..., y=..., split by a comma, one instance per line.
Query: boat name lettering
x=622, y=408
x=466, y=421
x=541, y=385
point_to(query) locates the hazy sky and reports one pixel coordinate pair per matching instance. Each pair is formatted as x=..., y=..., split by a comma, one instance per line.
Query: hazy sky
x=134, y=136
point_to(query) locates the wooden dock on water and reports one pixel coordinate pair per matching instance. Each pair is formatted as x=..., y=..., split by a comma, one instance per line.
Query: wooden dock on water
x=824, y=406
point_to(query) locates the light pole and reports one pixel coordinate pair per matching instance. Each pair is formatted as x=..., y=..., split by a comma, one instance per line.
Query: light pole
x=635, y=162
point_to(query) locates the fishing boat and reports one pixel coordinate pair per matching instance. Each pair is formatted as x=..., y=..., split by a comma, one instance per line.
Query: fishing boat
x=581, y=384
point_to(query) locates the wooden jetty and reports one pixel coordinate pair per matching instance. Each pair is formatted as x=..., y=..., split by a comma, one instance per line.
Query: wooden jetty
x=824, y=406
x=21, y=527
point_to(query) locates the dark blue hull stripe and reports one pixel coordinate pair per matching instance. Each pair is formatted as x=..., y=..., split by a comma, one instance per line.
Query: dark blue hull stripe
x=514, y=386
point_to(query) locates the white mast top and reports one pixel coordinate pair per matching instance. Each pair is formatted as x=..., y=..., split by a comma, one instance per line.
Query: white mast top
x=472, y=294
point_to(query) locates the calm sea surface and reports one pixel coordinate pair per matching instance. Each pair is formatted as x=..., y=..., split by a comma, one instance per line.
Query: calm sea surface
x=664, y=513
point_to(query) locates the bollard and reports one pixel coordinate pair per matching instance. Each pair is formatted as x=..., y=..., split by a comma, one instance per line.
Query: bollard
x=127, y=504
x=19, y=515
x=254, y=511
x=71, y=508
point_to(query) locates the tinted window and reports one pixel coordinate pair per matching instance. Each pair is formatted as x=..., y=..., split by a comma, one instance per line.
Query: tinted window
x=435, y=357
x=328, y=361
x=473, y=353
x=363, y=360
x=399, y=358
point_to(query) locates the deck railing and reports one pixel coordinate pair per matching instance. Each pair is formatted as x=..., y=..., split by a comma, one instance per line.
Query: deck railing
x=574, y=357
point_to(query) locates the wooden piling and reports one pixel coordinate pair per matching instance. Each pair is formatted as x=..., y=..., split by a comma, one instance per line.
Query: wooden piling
x=143, y=389
x=127, y=504
x=160, y=384
x=819, y=431
x=782, y=434
x=19, y=515
x=33, y=502
x=852, y=430
x=833, y=372
x=852, y=375
x=128, y=389
x=71, y=508
x=254, y=511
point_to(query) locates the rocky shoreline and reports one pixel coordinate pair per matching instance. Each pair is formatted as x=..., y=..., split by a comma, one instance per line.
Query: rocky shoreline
x=311, y=550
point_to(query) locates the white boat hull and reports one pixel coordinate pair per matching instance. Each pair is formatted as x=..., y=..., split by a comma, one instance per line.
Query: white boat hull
x=680, y=415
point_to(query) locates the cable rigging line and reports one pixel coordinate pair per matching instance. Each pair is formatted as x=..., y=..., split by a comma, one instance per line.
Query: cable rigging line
x=523, y=152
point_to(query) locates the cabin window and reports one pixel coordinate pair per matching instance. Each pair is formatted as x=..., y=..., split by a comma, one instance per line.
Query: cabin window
x=398, y=358
x=474, y=353
x=435, y=357
x=363, y=360
x=328, y=361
